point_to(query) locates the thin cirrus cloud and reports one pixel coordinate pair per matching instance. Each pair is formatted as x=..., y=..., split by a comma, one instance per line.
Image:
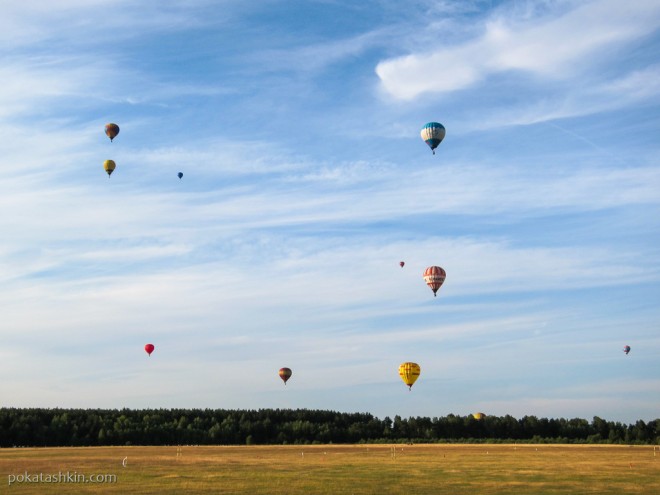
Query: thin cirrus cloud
x=34, y=84
x=582, y=99
x=34, y=22
x=555, y=48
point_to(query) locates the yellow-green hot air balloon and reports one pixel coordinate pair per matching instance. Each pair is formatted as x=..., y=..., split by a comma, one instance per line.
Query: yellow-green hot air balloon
x=409, y=373
x=109, y=166
x=478, y=416
x=111, y=130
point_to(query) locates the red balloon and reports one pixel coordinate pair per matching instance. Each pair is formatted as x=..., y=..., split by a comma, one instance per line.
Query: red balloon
x=434, y=276
x=149, y=348
x=401, y=263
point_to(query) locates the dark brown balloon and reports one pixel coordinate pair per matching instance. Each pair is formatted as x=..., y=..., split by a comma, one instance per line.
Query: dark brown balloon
x=111, y=130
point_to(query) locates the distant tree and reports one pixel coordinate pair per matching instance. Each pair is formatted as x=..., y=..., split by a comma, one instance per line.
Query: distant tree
x=73, y=427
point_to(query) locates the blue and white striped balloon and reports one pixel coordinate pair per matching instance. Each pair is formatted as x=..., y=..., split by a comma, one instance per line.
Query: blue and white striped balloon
x=433, y=133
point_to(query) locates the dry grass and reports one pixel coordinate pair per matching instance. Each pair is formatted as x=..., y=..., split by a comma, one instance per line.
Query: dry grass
x=373, y=469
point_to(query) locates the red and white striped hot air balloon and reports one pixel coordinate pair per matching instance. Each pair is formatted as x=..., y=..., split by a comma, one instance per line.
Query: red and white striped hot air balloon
x=434, y=276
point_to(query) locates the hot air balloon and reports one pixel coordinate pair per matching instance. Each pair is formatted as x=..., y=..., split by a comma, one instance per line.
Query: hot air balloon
x=433, y=133
x=434, y=276
x=285, y=374
x=149, y=348
x=109, y=166
x=626, y=349
x=478, y=416
x=111, y=130
x=179, y=175
x=401, y=263
x=409, y=373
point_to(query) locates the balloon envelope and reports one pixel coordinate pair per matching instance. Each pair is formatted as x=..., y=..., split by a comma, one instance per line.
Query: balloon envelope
x=626, y=349
x=149, y=348
x=111, y=130
x=478, y=416
x=285, y=374
x=401, y=263
x=434, y=276
x=409, y=373
x=433, y=133
x=179, y=175
x=109, y=166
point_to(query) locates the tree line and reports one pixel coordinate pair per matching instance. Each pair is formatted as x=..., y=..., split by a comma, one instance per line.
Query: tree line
x=37, y=427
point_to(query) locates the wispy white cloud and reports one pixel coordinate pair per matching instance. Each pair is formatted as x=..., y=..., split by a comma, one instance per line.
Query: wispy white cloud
x=35, y=84
x=552, y=47
x=317, y=56
x=582, y=98
x=95, y=22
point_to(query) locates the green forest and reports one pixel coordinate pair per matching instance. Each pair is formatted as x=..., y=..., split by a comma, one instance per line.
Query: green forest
x=40, y=427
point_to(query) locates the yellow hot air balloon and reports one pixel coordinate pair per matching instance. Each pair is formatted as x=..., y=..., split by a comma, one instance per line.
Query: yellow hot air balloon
x=478, y=416
x=109, y=166
x=409, y=373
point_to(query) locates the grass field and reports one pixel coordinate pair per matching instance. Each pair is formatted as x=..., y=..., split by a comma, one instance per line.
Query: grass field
x=332, y=469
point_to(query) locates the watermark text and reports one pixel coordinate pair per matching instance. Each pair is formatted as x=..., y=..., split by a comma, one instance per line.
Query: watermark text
x=60, y=477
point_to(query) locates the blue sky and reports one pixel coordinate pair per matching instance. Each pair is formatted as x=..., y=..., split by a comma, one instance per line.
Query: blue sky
x=296, y=126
